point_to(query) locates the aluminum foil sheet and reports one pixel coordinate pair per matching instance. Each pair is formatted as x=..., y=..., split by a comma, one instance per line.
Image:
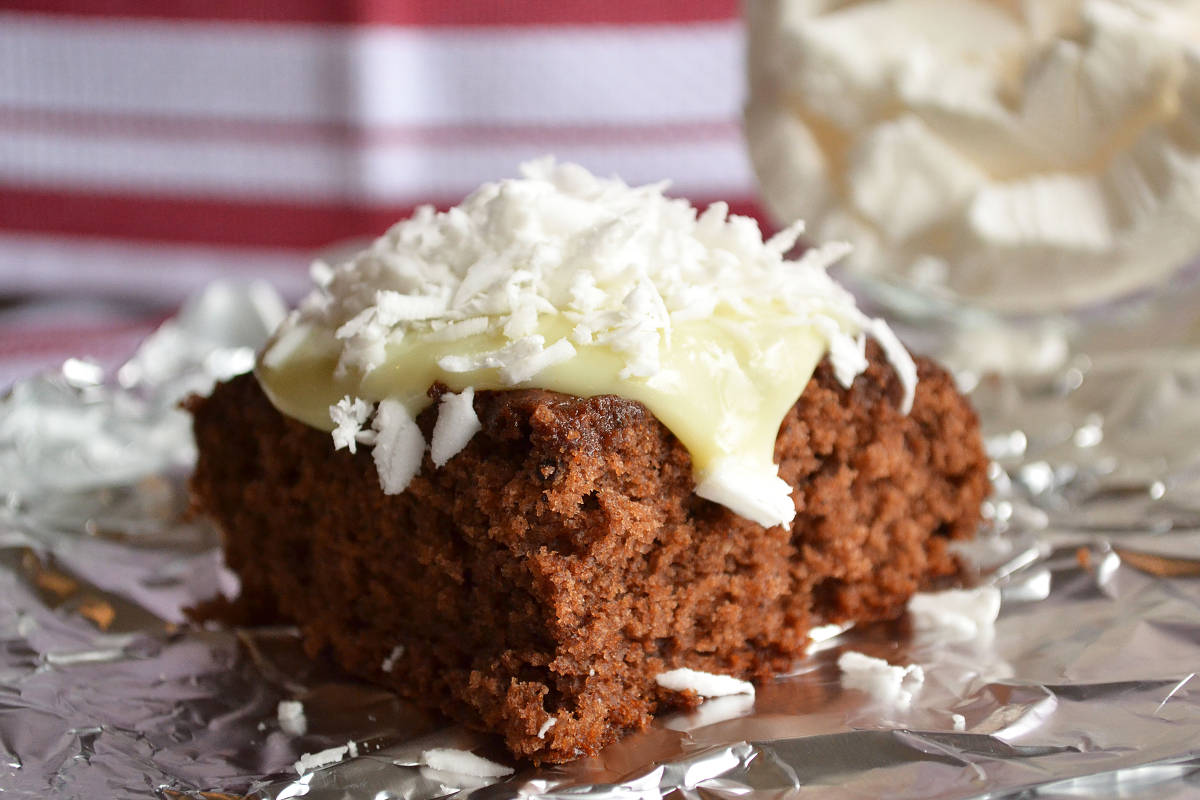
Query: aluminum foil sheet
x=1086, y=688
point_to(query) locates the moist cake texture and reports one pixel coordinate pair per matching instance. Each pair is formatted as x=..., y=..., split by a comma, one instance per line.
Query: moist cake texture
x=537, y=583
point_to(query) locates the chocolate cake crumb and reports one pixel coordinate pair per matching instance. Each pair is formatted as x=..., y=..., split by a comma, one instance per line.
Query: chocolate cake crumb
x=560, y=561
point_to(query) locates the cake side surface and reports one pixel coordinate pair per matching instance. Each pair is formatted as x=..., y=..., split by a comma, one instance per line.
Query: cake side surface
x=561, y=560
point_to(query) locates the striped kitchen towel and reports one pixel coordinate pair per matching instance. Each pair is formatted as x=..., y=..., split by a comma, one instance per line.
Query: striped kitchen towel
x=149, y=147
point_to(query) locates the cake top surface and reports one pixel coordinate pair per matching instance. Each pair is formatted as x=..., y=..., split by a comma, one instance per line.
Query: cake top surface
x=623, y=264
x=566, y=281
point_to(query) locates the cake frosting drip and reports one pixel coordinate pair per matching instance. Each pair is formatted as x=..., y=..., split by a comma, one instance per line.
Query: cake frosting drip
x=1026, y=154
x=565, y=281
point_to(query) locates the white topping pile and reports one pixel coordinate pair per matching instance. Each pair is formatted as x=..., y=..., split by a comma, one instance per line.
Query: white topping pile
x=1027, y=155
x=705, y=684
x=621, y=263
x=530, y=276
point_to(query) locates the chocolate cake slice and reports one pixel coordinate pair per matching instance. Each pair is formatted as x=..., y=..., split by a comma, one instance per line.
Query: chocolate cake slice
x=537, y=583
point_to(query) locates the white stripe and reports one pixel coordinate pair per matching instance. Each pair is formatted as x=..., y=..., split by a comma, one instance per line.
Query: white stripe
x=154, y=273
x=320, y=172
x=375, y=75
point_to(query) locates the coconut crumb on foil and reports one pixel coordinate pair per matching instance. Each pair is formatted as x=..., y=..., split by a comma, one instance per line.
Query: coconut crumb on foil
x=292, y=721
x=887, y=683
x=463, y=762
x=311, y=761
x=957, y=615
x=705, y=684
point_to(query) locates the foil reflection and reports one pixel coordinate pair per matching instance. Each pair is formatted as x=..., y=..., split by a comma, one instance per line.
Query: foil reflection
x=1086, y=687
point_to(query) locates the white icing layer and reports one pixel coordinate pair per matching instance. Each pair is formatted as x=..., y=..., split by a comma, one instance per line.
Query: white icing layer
x=569, y=282
x=1026, y=154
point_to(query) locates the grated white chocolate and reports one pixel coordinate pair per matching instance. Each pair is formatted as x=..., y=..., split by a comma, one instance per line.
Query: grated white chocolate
x=565, y=281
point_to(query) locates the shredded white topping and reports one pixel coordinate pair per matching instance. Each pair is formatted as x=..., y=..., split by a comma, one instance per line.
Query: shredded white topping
x=623, y=264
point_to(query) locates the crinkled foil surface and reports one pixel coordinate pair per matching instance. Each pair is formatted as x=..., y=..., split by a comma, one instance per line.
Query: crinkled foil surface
x=1087, y=688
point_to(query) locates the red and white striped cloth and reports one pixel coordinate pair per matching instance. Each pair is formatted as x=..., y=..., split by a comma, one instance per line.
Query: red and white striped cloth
x=150, y=146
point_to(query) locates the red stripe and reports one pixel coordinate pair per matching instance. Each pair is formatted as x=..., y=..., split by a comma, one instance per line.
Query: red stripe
x=398, y=12
x=77, y=339
x=208, y=220
x=192, y=220
x=152, y=126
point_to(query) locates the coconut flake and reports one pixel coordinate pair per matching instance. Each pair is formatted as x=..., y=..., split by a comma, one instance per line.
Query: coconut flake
x=517, y=362
x=546, y=726
x=389, y=661
x=310, y=761
x=393, y=308
x=957, y=615
x=348, y=417
x=456, y=331
x=528, y=366
x=292, y=721
x=463, y=762
x=705, y=684
x=399, y=446
x=892, y=685
x=456, y=423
